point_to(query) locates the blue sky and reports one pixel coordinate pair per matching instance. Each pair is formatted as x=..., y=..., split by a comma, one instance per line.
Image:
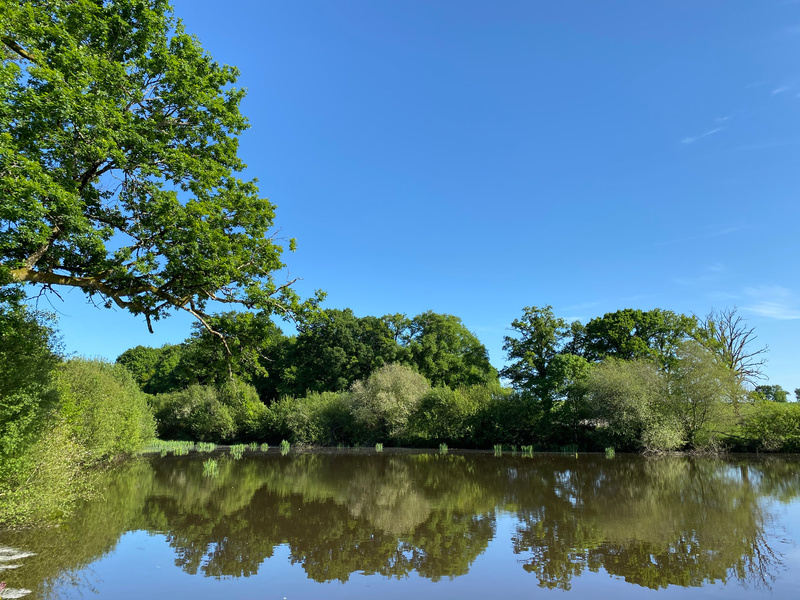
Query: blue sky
x=474, y=158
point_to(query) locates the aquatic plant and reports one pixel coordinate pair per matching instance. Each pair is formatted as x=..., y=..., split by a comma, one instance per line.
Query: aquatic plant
x=237, y=450
x=206, y=447
x=210, y=468
x=610, y=452
x=527, y=450
x=285, y=446
x=264, y=447
x=379, y=447
x=442, y=448
x=253, y=446
x=498, y=449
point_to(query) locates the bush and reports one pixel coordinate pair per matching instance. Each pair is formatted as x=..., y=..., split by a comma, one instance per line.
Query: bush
x=205, y=413
x=318, y=418
x=383, y=404
x=27, y=394
x=772, y=426
x=104, y=408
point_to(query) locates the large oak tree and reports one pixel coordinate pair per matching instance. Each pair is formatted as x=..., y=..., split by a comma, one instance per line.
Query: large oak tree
x=119, y=166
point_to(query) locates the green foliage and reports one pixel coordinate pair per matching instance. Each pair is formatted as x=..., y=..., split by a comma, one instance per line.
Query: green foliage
x=446, y=415
x=623, y=396
x=383, y=404
x=318, y=418
x=104, y=408
x=28, y=356
x=285, y=447
x=157, y=370
x=773, y=393
x=446, y=353
x=379, y=447
x=336, y=348
x=249, y=339
x=116, y=125
x=699, y=392
x=630, y=334
x=771, y=426
x=232, y=412
x=237, y=451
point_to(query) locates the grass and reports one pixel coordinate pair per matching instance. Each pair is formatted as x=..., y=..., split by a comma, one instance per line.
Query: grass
x=210, y=468
x=610, y=452
x=164, y=447
x=378, y=447
x=442, y=448
x=526, y=450
x=285, y=446
x=237, y=450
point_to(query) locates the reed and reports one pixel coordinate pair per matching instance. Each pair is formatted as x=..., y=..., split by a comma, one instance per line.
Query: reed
x=210, y=468
x=498, y=449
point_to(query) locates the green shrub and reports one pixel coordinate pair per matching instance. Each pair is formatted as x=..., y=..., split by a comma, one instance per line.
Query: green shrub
x=28, y=358
x=383, y=404
x=320, y=418
x=772, y=426
x=445, y=415
x=104, y=408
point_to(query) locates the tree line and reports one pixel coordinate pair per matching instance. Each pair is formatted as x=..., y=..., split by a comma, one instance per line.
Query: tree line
x=635, y=380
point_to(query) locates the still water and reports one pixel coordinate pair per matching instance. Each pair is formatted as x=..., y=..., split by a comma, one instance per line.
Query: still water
x=423, y=525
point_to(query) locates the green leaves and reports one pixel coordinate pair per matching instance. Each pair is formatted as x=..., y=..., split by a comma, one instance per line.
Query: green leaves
x=119, y=163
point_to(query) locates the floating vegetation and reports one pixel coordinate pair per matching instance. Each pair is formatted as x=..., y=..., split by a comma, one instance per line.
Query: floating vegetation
x=379, y=447
x=285, y=446
x=610, y=452
x=526, y=450
x=237, y=450
x=498, y=449
x=206, y=447
x=253, y=446
x=210, y=468
x=164, y=447
x=442, y=448
x=264, y=447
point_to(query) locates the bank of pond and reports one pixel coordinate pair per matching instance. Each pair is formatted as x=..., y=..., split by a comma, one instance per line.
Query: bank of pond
x=432, y=524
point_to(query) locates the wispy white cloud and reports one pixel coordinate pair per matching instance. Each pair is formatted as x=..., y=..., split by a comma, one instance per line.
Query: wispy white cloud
x=780, y=89
x=723, y=119
x=774, y=302
x=693, y=139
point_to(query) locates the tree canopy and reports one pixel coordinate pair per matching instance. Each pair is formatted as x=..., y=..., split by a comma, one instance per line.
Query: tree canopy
x=119, y=166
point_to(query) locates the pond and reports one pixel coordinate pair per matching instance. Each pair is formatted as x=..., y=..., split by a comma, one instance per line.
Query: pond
x=362, y=524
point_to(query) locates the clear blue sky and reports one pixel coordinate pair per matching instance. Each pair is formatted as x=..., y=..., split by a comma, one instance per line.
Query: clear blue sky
x=474, y=158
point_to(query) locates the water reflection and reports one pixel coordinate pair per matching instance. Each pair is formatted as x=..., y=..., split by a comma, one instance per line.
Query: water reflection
x=653, y=522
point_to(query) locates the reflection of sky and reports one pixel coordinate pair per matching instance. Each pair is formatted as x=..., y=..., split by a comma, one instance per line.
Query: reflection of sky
x=143, y=567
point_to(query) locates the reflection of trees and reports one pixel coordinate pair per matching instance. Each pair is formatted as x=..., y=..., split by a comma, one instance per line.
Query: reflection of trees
x=671, y=521
x=656, y=522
